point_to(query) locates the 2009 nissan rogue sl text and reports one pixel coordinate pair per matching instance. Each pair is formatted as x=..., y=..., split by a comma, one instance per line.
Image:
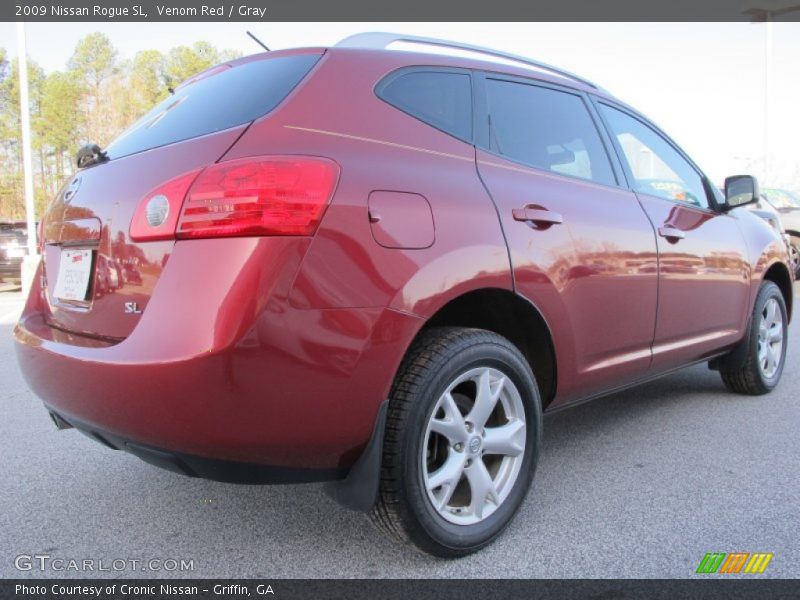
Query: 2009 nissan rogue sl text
x=378, y=268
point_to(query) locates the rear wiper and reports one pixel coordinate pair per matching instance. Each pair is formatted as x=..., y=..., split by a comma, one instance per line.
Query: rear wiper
x=90, y=154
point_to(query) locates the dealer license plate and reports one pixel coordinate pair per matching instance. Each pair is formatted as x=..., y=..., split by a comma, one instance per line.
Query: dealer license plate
x=74, y=272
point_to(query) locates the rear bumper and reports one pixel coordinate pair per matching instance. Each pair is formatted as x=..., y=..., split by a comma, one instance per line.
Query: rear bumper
x=199, y=466
x=237, y=375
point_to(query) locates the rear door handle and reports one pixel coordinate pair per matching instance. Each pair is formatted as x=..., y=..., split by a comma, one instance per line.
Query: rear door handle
x=672, y=234
x=537, y=215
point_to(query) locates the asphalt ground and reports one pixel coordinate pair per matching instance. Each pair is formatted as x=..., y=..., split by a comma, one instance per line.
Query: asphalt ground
x=639, y=484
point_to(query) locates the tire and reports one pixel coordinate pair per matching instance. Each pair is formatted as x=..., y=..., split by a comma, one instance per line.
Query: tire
x=462, y=362
x=761, y=359
x=794, y=255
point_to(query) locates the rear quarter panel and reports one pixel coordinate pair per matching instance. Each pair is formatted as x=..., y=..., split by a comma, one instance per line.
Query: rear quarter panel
x=336, y=114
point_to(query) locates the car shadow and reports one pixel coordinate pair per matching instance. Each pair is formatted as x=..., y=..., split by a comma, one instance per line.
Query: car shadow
x=683, y=388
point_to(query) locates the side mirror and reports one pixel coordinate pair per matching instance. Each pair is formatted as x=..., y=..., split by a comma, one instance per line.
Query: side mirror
x=741, y=190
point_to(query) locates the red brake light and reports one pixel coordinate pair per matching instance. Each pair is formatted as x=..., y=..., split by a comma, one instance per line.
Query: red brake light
x=150, y=221
x=271, y=195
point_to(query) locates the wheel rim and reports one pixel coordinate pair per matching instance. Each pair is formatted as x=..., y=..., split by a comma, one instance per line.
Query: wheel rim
x=474, y=446
x=794, y=258
x=770, y=338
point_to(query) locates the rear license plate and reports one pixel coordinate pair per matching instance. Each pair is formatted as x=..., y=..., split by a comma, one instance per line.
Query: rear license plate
x=74, y=271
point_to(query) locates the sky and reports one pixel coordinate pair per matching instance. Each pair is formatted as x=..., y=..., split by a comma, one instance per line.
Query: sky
x=703, y=83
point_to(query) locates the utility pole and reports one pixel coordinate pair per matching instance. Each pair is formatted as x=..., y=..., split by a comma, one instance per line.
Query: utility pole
x=767, y=100
x=765, y=11
x=31, y=261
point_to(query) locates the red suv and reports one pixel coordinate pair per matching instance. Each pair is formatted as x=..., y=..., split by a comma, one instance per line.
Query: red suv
x=379, y=267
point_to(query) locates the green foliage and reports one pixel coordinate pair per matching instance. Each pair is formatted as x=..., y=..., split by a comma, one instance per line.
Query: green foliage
x=3, y=63
x=6, y=109
x=11, y=187
x=94, y=59
x=147, y=81
x=58, y=123
x=94, y=100
x=183, y=62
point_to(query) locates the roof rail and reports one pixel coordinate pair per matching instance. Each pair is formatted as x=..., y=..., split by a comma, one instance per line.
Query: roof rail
x=381, y=40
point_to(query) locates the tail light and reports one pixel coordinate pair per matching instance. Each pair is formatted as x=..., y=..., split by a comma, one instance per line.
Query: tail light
x=270, y=195
x=157, y=214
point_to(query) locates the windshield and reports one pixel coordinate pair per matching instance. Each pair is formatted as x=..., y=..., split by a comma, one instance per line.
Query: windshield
x=782, y=198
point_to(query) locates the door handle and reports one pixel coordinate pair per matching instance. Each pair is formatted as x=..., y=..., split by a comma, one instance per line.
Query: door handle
x=670, y=233
x=537, y=215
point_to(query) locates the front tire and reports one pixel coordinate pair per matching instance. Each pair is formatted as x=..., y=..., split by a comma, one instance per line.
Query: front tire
x=461, y=443
x=763, y=350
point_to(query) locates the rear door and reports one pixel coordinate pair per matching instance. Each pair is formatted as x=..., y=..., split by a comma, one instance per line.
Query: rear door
x=704, y=277
x=581, y=247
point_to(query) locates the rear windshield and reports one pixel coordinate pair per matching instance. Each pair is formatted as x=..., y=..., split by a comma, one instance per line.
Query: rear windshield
x=226, y=99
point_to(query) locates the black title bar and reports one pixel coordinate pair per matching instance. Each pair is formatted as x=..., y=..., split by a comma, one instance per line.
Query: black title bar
x=701, y=587
x=406, y=10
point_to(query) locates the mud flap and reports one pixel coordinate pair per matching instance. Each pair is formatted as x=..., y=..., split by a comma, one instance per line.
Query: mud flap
x=359, y=490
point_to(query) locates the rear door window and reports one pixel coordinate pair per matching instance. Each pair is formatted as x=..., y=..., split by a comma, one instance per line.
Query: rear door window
x=442, y=99
x=233, y=96
x=547, y=129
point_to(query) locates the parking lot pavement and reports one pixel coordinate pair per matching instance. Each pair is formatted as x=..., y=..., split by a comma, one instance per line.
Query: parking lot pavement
x=639, y=484
x=10, y=305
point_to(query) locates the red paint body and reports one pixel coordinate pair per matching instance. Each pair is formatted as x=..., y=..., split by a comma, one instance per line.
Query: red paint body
x=279, y=350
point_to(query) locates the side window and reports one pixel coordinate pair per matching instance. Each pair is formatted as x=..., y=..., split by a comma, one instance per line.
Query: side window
x=442, y=99
x=658, y=169
x=547, y=129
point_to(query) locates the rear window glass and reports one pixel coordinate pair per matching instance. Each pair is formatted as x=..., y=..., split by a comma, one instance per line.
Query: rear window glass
x=226, y=99
x=440, y=99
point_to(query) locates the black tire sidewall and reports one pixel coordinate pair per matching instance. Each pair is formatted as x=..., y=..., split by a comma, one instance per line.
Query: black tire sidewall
x=447, y=536
x=769, y=291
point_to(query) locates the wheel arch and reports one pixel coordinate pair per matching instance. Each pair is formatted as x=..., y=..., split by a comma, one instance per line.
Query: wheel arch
x=778, y=273
x=512, y=316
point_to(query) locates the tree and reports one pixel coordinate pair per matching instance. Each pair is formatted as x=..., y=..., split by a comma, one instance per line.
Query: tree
x=92, y=64
x=94, y=100
x=5, y=100
x=94, y=59
x=147, y=85
x=60, y=118
x=183, y=62
x=9, y=97
x=11, y=188
x=8, y=133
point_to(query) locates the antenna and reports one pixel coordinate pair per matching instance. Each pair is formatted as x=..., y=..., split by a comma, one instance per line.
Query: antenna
x=258, y=41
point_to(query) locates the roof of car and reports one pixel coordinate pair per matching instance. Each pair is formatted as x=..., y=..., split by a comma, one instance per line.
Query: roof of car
x=425, y=54
x=466, y=55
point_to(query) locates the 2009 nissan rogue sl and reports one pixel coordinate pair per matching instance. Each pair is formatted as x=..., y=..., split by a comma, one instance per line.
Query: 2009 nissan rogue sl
x=379, y=267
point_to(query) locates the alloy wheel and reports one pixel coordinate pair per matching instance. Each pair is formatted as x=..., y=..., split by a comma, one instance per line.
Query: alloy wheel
x=474, y=446
x=770, y=338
